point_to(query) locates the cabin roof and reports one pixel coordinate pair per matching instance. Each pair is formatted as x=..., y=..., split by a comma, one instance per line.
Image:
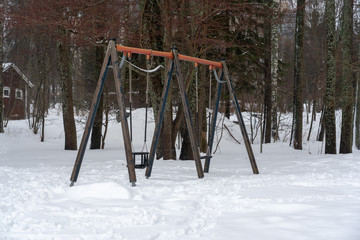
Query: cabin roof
x=6, y=66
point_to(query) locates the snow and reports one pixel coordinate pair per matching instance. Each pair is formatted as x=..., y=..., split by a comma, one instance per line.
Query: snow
x=297, y=195
x=6, y=65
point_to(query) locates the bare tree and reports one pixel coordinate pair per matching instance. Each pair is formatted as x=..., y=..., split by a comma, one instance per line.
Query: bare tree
x=275, y=66
x=72, y=24
x=347, y=78
x=329, y=115
x=2, y=19
x=298, y=75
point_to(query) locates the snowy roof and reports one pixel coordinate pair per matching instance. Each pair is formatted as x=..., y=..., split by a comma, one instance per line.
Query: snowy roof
x=6, y=66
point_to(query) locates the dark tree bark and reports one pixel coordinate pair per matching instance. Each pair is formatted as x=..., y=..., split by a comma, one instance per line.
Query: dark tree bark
x=67, y=96
x=96, y=132
x=347, y=78
x=357, y=119
x=227, y=103
x=203, y=101
x=321, y=131
x=1, y=70
x=298, y=75
x=43, y=105
x=186, y=151
x=329, y=115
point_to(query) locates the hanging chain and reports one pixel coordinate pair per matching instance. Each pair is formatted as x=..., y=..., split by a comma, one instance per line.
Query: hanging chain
x=147, y=79
x=210, y=73
x=130, y=83
x=146, y=100
x=130, y=100
x=197, y=87
x=209, y=121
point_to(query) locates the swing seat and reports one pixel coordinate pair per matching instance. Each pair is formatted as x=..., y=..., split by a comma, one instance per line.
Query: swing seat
x=206, y=157
x=144, y=159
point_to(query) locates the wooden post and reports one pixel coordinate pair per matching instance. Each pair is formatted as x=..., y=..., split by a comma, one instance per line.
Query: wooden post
x=121, y=102
x=90, y=120
x=240, y=119
x=158, y=124
x=185, y=102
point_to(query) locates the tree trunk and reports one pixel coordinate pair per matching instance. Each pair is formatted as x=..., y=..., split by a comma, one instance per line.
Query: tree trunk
x=227, y=103
x=268, y=81
x=321, y=130
x=203, y=95
x=186, y=151
x=298, y=74
x=329, y=115
x=106, y=111
x=312, y=120
x=1, y=73
x=274, y=68
x=96, y=132
x=168, y=139
x=67, y=97
x=347, y=78
x=43, y=104
x=357, y=119
x=168, y=148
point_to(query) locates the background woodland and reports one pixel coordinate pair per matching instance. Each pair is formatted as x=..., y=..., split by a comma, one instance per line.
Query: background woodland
x=283, y=55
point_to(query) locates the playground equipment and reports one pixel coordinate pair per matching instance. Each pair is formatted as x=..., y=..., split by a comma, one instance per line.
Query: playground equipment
x=111, y=59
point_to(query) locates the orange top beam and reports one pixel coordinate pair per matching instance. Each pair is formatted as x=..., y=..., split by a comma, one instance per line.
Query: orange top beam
x=149, y=52
x=200, y=61
x=121, y=48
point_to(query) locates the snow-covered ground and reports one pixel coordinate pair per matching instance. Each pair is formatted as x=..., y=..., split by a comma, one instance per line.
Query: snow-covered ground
x=297, y=195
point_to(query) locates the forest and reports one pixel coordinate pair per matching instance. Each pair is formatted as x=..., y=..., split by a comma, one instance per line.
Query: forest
x=284, y=56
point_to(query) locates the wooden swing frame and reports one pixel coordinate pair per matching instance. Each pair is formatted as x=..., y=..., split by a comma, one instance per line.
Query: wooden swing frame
x=111, y=59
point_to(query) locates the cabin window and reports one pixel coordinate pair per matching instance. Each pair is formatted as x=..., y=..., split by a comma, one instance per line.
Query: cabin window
x=6, y=92
x=19, y=94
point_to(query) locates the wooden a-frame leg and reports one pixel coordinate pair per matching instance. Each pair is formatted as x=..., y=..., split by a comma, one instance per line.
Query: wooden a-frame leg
x=91, y=117
x=158, y=124
x=185, y=102
x=121, y=102
x=240, y=119
x=213, y=121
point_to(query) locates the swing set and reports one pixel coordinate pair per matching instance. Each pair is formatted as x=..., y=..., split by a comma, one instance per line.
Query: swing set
x=111, y=60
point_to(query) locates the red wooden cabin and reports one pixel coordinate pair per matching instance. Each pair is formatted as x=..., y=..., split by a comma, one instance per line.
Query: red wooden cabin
x=15, y=92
